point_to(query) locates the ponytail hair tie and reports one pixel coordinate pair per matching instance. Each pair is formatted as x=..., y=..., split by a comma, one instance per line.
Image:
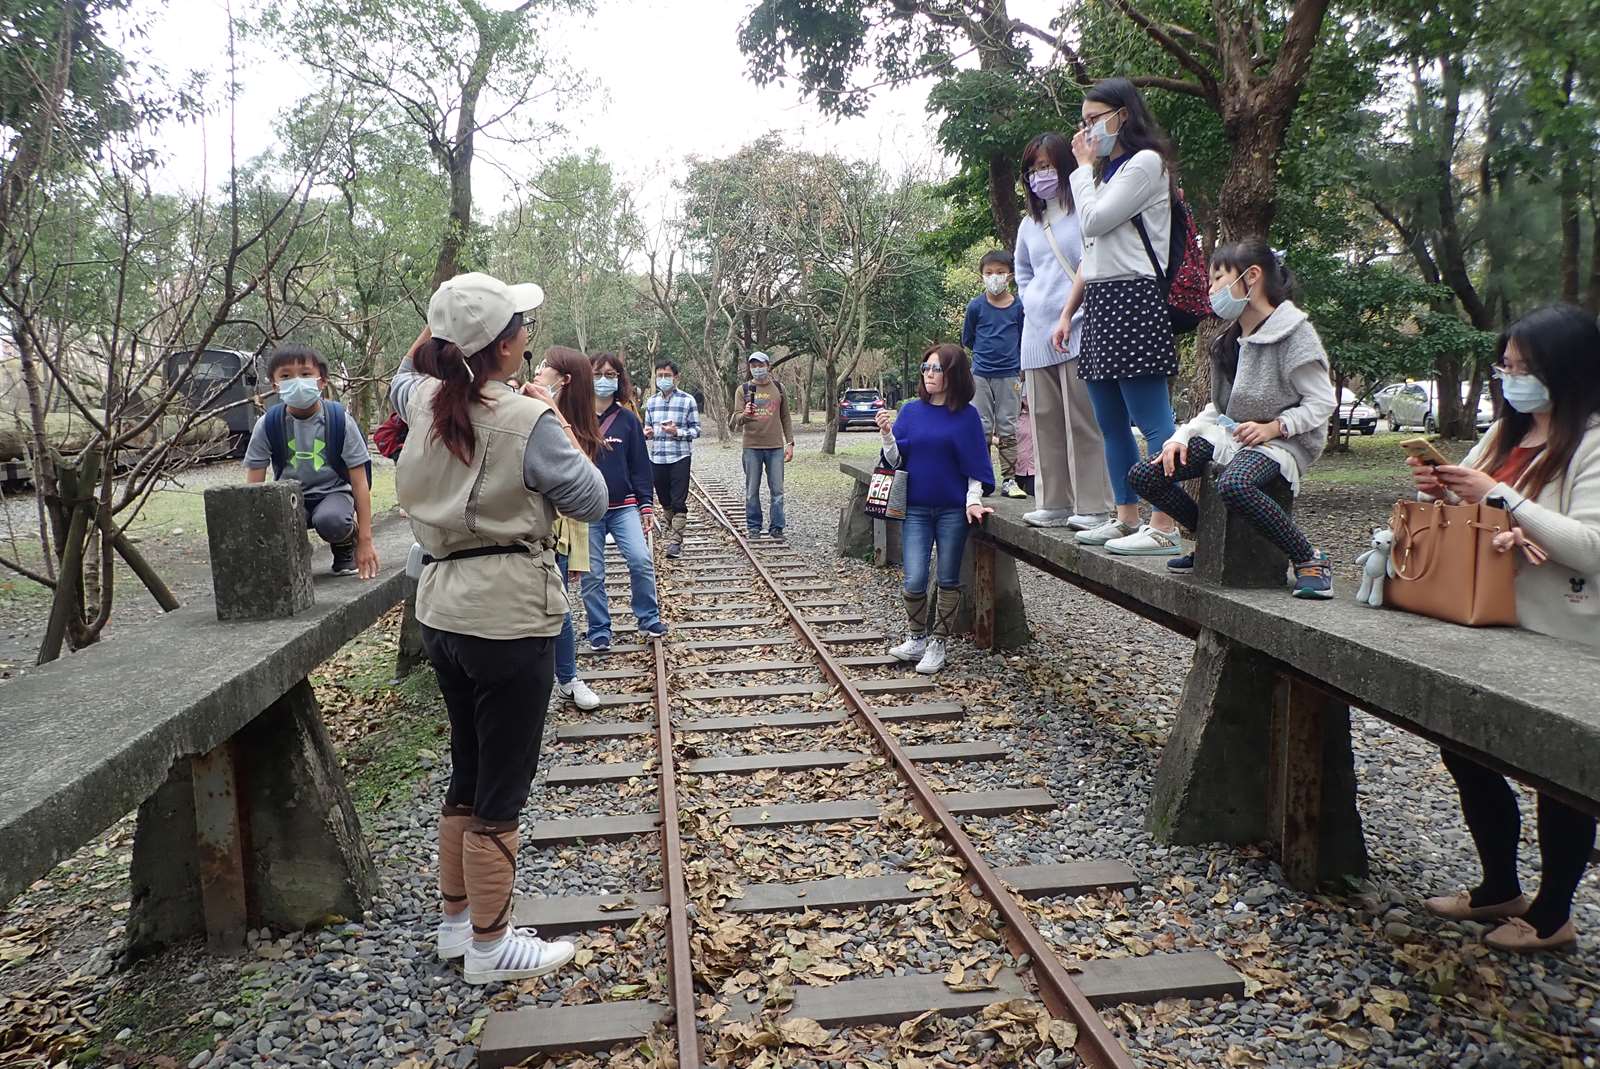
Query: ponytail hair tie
x=1282, y=258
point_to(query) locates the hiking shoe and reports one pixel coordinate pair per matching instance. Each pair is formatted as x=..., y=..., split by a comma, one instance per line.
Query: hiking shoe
x=657, y=630
x=910, y=651
x=1087, y=521
x=1048, y=518
x=674, y=550
x=1147, y=541
x=932, y=657
x=1009, y=488
x=1099, y=536
x=776, y=534
x=344, y=559
x=1314, y=578
x=517, y=955
x=1181, y=565
x=454, y=935
x=600, y=643
x=578, y=693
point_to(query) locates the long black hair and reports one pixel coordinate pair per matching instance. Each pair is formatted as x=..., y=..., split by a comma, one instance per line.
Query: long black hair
x=1240, y=256
x=1561, y=345
x=1058, y=150
x=1139, y=129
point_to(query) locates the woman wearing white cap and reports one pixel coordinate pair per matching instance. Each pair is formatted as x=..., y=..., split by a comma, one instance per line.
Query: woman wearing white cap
x=483, y=473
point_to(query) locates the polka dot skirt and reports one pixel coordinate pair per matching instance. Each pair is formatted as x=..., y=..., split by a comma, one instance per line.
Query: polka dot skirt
x=1126, y=331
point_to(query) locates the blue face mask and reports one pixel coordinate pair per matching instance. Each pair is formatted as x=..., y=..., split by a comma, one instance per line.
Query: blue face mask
x=605, y=387
x=664, y=384
x=1225, y=306
x=1101, y=138
x=1525, y=393
x=299, y=393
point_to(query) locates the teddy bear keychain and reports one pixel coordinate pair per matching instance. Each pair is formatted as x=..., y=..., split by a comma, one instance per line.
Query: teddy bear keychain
x=1376, y=564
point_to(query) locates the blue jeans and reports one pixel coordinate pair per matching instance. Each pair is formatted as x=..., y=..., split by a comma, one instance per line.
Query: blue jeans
x=922, y=529
x=755, y=462
x=625, y=526
x=1119, y=403
x=567, y=641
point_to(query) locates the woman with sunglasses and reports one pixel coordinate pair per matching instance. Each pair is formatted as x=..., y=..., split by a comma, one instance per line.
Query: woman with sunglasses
x=1541, y=461
x=938, y=439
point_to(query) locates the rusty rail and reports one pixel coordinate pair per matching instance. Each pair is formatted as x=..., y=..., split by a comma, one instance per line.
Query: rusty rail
x=1096, y=1045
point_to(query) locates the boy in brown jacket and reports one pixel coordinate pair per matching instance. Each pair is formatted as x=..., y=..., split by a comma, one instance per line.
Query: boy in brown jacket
x=768, y=442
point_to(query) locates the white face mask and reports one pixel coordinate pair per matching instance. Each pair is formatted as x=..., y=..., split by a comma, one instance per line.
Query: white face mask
x=996, y=284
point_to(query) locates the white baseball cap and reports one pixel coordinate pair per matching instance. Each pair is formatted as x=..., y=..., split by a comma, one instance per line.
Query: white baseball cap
x=757, y=357
x=471, y=310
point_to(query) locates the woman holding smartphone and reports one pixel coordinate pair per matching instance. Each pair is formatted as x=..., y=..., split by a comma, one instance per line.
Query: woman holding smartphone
x=1540, y=461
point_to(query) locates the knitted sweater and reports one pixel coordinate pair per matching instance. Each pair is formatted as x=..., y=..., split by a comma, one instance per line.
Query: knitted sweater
x=1282, y=374
x=1044, y=286
x=942, y=450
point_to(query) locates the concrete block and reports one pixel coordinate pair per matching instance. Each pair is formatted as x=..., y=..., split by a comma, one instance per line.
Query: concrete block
x=305, y=857
x=260, y=555
x=855, y=526
x=410, y=653
x=885, y=542
x=1229, y=550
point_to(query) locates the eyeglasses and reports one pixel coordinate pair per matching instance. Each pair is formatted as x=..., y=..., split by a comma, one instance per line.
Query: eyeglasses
x=1501, y=369
x=1090, y=120
x=931, y=367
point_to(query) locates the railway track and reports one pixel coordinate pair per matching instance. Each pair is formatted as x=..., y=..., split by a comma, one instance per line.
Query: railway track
x=757, y=628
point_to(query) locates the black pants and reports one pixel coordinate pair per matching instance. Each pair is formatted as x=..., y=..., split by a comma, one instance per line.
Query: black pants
x=1566, y=836
x=672, y=485
x=496, y=692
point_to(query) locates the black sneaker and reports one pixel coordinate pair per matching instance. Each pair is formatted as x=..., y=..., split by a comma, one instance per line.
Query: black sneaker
x=658, y=631
x=674, y=550
x=1182, y=565
x=600, y=643
x=776, y=533
x=344, y=559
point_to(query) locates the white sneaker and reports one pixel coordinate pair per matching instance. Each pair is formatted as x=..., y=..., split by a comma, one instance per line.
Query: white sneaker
x=578, y=693
x=1147, y=541
x=1009, y=488
x=517, y=956
x=1047, y=517
x=932, y=657
x=910, y=651
x=1087, y=521
x=1099, y=536
x=454, y=936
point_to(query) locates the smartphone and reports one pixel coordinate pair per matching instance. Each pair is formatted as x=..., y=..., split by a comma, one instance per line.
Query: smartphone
x=1424, y=451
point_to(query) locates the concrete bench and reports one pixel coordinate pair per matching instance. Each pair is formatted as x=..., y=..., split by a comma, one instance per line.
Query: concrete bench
x=210, y=728
x=1261, y=747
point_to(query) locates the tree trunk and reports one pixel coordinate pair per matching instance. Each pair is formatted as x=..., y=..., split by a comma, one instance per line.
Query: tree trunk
x=457, y=156
x=811, y=382
x=1591, y=300
x=832, y=387
x=1003, y=204
x=1249, y=195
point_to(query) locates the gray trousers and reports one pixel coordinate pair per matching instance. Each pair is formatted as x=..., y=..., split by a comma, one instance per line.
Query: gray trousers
x=1069, y=453
x=999, y=404
x=333, y=515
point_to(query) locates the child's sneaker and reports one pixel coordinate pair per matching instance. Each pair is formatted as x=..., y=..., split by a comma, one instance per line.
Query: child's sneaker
x=932, y=657
x=454, y=935
x=1009, y=488
x=1099, y=536
x=344, y=558
x=1147, y=541
x=674, y=550
x=910, y=651
x=1181, y=565
x=517, y=955
x=578, y=693
x=1314, y=578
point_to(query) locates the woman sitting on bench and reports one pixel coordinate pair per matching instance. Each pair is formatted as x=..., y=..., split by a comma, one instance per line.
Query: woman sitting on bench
x=1540, y=460
x=1271, y=400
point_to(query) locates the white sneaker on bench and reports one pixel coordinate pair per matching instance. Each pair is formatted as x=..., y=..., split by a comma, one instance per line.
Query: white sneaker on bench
x=518, y=955
x=1048, y=518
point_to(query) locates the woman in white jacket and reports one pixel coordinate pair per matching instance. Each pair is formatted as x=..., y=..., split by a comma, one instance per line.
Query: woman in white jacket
x=1541, y=461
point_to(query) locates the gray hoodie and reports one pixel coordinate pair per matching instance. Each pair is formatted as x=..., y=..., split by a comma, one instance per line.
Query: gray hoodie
x=1282, y=374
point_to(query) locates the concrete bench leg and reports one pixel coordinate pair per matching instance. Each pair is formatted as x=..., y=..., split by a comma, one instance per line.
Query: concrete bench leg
x=261, y=832
x=855, y=526
x=409, y=655
x=1253, y=758
x=999, y=617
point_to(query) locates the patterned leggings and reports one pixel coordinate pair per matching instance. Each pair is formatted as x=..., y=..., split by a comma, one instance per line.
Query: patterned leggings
x=1240, y=484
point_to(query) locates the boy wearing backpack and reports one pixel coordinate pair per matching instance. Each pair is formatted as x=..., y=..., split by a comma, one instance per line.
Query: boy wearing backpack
x=768, y=442
x=317, y=443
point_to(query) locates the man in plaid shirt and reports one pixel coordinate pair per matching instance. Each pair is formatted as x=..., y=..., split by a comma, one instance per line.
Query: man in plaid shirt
x=671, y=424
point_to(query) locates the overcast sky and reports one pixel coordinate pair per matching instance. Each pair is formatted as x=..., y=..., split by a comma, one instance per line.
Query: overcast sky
x=672, y=84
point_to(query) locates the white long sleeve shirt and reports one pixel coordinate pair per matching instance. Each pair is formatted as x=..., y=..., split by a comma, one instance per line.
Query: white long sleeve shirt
x=1111, y=245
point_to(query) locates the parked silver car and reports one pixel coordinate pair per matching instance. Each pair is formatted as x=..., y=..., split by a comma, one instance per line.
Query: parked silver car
x=1414, y=404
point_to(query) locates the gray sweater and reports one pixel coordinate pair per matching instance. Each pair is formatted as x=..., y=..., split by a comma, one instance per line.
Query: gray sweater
x=1282, y=374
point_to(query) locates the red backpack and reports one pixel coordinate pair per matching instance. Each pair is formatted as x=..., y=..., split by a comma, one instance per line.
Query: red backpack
x=1186, y=289
x=390, y=437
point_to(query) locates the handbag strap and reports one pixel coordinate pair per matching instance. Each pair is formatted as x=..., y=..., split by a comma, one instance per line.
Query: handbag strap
x=1436, y=521
x=1050, y=236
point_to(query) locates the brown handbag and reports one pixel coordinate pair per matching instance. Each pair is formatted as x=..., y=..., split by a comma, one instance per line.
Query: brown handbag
x=1445, y=564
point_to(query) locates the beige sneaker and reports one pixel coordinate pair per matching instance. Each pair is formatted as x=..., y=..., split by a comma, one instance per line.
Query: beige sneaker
x=1520, y=937
x=1459, y=907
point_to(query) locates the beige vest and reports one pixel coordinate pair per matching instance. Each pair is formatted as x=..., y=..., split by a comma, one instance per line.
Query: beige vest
x=454, y=507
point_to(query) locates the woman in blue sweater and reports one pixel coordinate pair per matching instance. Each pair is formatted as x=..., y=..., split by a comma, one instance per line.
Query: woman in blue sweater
x=625, y=464
x=939, y=440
